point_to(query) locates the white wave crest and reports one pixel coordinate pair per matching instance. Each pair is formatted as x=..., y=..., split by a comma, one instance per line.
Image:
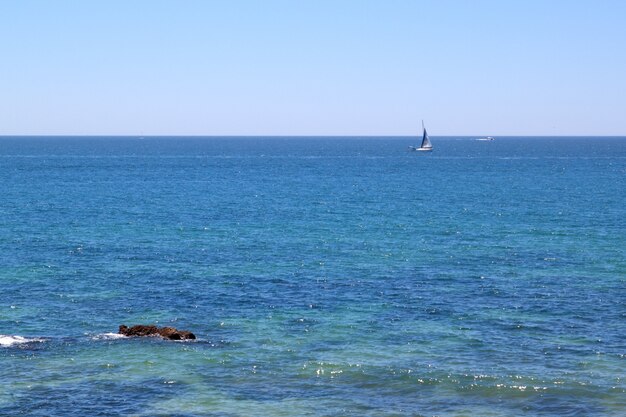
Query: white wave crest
x=6, y=340
x=108, y=336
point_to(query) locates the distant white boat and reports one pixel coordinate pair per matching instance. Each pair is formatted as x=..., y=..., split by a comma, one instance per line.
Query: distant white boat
x=486, y=138
x=426, y=146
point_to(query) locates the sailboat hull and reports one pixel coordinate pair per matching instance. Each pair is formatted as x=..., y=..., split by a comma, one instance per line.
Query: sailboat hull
x=424, y=149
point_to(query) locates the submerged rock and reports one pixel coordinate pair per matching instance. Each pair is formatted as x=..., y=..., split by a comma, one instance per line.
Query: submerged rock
x=170, y=333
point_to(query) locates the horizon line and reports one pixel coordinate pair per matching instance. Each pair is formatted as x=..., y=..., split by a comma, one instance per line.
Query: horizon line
x=292, y=136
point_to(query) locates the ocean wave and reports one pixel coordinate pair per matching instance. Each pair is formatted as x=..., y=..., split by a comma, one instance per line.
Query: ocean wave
x=116, y=336
x=108, y=336
x=7, y=341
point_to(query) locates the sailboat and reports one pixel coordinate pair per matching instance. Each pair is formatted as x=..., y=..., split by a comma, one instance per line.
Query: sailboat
x=426, y=145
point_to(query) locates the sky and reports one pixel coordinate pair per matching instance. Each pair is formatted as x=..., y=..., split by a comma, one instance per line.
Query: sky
x=312, y=67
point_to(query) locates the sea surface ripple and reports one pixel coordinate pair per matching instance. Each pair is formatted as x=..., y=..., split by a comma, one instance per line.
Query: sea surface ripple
x=322, y=276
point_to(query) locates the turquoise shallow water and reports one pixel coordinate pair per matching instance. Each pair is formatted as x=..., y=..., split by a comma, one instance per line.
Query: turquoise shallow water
x=323, y=276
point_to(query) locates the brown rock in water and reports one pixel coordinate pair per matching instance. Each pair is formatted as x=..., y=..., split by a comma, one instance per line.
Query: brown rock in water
x=139, y=330
x=170, y=333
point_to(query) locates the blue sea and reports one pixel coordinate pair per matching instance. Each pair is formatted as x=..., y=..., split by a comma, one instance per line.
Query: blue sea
x=322, y=276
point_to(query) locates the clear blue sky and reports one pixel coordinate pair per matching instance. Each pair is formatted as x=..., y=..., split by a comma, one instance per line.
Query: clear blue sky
x=265, y=67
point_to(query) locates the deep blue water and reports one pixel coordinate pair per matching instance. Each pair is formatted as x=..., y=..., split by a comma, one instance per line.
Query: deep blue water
x=323, y=276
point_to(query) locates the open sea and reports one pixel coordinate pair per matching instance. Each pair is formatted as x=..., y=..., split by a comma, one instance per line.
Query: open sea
x=322, y=276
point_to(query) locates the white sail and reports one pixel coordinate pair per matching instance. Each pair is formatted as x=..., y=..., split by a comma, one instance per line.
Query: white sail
x=425, y=141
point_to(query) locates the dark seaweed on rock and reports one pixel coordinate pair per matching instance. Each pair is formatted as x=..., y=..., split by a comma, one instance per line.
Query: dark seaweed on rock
x=170, y=333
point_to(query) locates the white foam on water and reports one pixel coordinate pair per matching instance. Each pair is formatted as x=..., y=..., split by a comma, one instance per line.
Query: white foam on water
x=108, y=336
x=6, y=340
